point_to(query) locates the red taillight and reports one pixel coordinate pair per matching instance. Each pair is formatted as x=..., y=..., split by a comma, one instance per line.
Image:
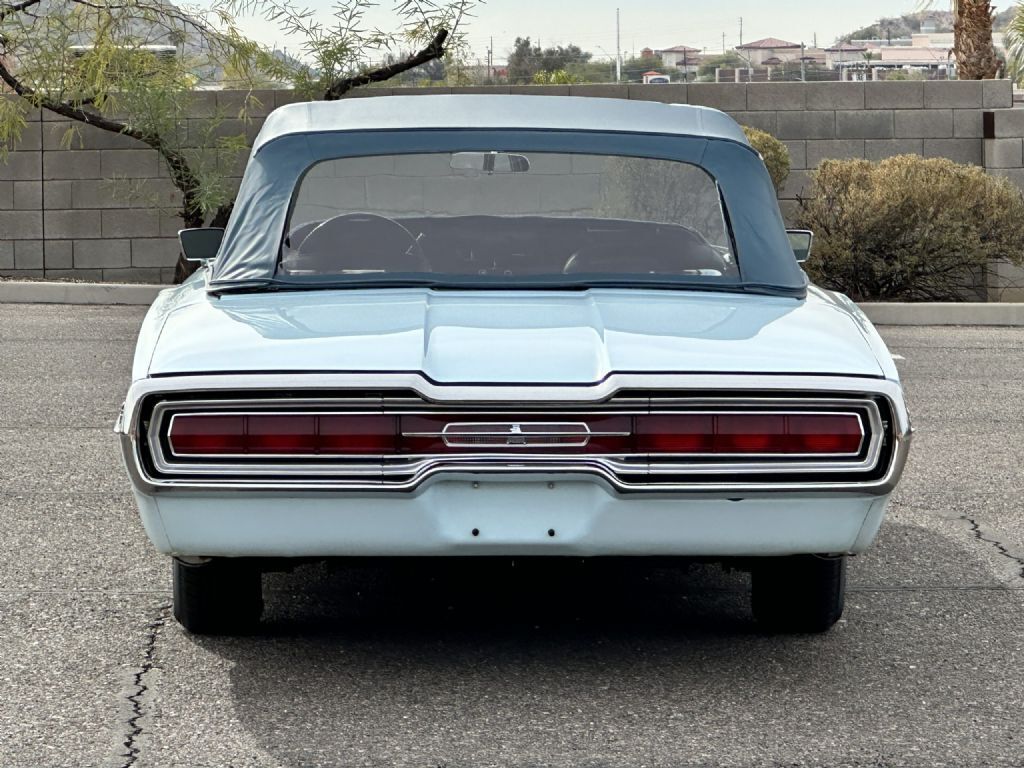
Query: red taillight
x=749, y=433
x=358, y=434
x=825, y=433
x=282, y=434
x=207, y=435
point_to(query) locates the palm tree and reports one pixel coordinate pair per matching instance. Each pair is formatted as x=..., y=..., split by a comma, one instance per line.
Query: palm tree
x=972, y=38
x=1015, y=46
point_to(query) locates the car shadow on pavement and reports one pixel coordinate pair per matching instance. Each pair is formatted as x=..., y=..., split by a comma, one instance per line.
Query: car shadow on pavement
x=483, y=663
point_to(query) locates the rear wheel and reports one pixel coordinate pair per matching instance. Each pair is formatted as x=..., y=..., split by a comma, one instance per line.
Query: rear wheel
x=219, y=597
x=803, y=593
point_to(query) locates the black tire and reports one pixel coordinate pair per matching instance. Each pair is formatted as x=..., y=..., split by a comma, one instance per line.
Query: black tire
x=219, y=597
x=803, y=593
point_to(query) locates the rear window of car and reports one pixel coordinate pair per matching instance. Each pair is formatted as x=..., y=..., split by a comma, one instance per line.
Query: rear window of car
x=508, y=217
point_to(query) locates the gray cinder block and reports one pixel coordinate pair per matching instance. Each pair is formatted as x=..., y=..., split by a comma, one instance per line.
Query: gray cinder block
x=72, y=164
x=806, y=125
x=130, y=223
x=780, y=96
x=102, y=254
x=924, y=124
x=997, y=94
x=21, y=225
x=28, y=254
x=944, y=94
x=797, y=154
x=614, y=91
x=763, y=121
x=880, y=149
x=528, y=90
x=155, y=252
x=728, y=97
x=796, y=185
x=668, y=93
x=129, y=163
x=839, y=149
x=21, y=166
x=957, y=150
x=1008, y=123
x=132, y=275
x=968, y=123
x=56, y=194
x=835, y=96
x=255, y=103
x=865, y=124
x=1004, y=153
x=72, y=225
x=57, y=254
x=28, y=195
x=894, y=94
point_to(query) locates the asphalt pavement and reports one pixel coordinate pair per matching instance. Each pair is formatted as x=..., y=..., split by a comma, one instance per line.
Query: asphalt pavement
x=481, y=665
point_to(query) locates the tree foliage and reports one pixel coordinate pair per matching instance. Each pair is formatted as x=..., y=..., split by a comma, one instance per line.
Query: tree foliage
x=527, y=59
x=728, y=60
x=102, y=63
x=909, y=228
x=773, y=152
x=633, y=68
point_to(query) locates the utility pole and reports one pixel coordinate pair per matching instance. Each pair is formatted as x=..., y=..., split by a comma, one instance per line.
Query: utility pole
x=490, y=61
x=723, y=42
x=618, y=49
x=741, y=32
x=803, y=63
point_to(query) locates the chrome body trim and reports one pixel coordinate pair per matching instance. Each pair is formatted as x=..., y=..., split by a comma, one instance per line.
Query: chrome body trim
x=412, y=462
x=753, y=389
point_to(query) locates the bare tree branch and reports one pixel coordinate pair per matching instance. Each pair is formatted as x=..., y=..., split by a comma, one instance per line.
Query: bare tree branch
x=434, y=50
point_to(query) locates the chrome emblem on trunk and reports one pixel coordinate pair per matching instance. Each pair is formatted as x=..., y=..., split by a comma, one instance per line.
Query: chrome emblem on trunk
x=515, y=434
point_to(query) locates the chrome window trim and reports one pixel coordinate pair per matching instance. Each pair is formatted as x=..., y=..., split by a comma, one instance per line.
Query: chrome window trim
x=753, y=388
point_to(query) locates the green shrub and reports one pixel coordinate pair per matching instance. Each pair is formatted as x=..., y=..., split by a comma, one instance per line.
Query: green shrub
x=909, y=228
x=774, y=153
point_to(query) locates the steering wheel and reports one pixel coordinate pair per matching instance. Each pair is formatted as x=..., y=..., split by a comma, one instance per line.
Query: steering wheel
x=362, y=242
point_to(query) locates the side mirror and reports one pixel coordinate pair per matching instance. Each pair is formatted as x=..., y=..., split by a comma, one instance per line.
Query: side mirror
x=201, y=243
x=800, y=240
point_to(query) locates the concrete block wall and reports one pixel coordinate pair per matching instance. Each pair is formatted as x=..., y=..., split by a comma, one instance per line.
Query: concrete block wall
x=102, y=209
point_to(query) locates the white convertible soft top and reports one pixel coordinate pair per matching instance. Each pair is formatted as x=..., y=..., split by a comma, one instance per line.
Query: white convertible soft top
x=298, y=136
x=552, y=113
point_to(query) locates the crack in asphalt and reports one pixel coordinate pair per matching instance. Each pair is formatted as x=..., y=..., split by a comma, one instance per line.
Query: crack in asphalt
x=1000, y=547
x=131, y=753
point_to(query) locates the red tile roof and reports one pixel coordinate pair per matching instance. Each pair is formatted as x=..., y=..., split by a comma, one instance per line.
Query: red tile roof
x=678, y=49
x=768, y=43
x=846, y=47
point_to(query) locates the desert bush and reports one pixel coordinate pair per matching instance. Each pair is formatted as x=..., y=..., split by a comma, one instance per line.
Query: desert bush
x=774, y=153
x=909, y=228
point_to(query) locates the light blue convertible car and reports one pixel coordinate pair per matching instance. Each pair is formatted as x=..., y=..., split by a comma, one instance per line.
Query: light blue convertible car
x=508, y=326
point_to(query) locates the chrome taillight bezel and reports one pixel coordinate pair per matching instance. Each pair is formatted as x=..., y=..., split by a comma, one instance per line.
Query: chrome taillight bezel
x=405, y=471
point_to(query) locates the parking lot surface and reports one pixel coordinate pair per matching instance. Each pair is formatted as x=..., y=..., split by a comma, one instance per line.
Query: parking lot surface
x=592, y=665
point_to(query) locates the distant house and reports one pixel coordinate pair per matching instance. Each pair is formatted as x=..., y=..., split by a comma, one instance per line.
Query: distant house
x=760, y=51
x=681, y=57
x=841, y=55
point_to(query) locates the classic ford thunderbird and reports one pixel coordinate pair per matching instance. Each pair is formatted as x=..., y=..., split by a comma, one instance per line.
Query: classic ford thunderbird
x=508, y=326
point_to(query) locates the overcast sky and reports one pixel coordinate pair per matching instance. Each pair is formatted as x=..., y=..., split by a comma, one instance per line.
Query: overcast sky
x=652, y=23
